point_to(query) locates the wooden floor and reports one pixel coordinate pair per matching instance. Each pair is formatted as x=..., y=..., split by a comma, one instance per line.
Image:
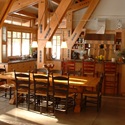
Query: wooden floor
x=112, y=113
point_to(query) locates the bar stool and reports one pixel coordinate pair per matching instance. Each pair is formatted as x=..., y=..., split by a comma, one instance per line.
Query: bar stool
x=111, y=78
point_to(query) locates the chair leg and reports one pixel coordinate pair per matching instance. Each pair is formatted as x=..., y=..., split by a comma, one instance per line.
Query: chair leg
x=34, y=102
x=17, y=100
x=5, y=92
x=10, y=92
x=28, y=101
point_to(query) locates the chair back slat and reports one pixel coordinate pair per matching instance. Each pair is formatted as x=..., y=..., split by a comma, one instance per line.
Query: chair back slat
x=110, y=67
x=68, y=66
x=22, y=80
x=60, y=85
x=41, y=83
x=89, y=68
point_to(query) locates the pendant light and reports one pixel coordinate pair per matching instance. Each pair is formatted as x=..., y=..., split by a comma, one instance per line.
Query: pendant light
x=34, y=44
x=63, y=44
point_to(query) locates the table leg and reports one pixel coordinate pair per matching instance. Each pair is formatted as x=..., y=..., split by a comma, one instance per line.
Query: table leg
x=78, y=99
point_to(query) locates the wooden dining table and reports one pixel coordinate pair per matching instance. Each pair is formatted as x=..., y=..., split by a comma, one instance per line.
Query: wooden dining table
x=79, y=82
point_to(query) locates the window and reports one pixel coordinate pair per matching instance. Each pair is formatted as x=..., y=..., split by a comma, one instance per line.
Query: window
x=18, y=21
x=18, y=43
x=56, y=43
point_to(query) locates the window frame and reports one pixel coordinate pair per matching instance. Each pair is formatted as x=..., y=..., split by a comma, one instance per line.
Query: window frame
x=56, y=47
x=21, y=42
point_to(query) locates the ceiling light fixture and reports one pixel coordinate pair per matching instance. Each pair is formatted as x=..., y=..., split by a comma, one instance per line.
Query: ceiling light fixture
x=34, y=44
x=63, y=44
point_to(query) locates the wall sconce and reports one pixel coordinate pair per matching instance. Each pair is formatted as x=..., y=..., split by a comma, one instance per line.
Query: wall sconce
x=34, y=44
x=48, y=44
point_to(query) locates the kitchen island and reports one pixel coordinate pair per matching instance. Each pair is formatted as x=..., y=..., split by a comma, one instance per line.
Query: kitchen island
x=20, y=65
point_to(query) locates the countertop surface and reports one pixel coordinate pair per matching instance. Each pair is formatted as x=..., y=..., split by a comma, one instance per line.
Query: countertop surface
x=22, y=60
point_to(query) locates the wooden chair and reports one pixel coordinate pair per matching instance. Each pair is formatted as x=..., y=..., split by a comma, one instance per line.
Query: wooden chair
x=68, y=66
x=89, y=68
x=41, y=91
x=93, y=97
x=75, y=73
x=22, y=88
x=62, y=98
x=111, y=78
x=64, y=67
x=7, y=87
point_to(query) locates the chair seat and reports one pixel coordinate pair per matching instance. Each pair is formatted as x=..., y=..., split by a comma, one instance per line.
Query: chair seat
x=41, y=93
x=25, y=91
x=7, y=86
x=60, y=95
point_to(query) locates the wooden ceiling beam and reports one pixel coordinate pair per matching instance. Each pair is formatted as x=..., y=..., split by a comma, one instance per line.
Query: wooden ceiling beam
x=80, y=26
x=79, y=5
x=20, y=16
x=4, y=12
x=20, y=4
x=57, y=2
x=54, y=23
x=25, y=14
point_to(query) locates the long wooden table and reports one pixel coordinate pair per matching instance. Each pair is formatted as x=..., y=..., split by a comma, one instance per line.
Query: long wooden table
x=79, y=82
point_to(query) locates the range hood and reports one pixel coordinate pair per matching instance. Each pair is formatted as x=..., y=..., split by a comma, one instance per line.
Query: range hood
x=107, y=37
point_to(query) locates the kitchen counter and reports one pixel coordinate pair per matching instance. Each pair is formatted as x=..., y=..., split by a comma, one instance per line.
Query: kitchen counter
x=20, y=65
x=23, y=60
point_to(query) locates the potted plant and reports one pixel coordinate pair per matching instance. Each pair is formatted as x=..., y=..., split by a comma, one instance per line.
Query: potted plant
x=121, y=54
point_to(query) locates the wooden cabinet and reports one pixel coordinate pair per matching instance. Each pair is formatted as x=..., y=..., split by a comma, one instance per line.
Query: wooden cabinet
x=23, y=66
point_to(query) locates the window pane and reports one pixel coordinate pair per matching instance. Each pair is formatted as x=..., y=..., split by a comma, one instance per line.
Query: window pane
x=18, y=34
x=9, y=47
x=8, y=34
x=54, y=42
x=58, y=52
x=16, y=47
x=56, y=47
x=14, y=34
x=27, y=35
x=58, y=42
x=25, y=47
x=16, y=21
x=23, y=35
x=8, y=20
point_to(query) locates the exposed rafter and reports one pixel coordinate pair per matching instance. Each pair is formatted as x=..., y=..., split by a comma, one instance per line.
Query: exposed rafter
x=79, y=5
x=55, y=20
x=81, y=24
x=57, y=2
x=20, y=4
x=25, y=14
x=7, y=4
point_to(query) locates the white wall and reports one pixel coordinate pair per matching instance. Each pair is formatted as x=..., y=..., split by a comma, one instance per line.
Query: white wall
x=111, y=10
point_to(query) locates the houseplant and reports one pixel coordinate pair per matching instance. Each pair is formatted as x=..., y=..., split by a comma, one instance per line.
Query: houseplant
x=121, y=54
